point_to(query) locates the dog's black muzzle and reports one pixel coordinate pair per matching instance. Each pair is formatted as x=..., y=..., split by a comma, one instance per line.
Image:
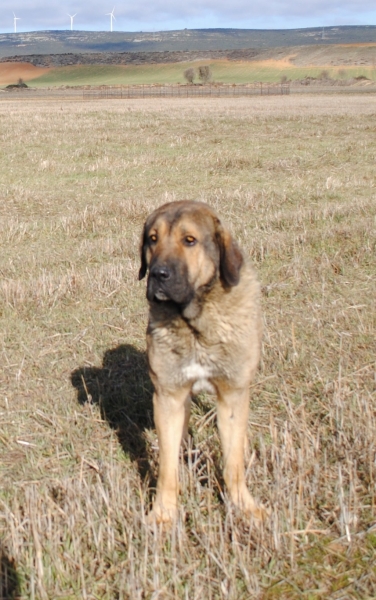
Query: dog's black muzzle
x=168, y=281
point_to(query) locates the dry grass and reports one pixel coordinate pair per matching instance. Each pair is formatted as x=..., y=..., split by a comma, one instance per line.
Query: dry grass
x=295, y=179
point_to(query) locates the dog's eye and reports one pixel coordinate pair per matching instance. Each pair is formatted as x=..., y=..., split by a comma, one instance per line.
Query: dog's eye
x=189, y=240
x=153, y=238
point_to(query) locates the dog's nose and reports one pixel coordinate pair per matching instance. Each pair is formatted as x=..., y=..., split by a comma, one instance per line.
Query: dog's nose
x=160, y=272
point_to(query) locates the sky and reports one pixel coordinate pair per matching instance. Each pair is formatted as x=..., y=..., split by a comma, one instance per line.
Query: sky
x=163, y=15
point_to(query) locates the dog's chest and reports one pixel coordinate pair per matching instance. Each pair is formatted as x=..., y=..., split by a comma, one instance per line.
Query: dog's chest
x=192, y=359
x=202, y=352
x=199, y=375
x=204, y=362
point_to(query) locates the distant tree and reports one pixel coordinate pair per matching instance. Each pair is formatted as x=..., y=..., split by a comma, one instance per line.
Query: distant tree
x=204, y=73
x=284, y=79
x=324, y=75
x=189, y=75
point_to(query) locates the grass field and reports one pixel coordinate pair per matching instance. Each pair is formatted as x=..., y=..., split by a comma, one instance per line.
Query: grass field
x=294, y=177
x=222, y=71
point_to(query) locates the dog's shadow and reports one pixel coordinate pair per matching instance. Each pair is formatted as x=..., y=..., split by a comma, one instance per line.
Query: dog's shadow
x=9, y=579
x=123, y=391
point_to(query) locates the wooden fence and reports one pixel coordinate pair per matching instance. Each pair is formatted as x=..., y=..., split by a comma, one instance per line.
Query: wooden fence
x=186, y=91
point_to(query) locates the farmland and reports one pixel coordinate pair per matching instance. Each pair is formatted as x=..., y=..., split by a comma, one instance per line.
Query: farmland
x=294, y=178
x=222, y=71
x=338, y=61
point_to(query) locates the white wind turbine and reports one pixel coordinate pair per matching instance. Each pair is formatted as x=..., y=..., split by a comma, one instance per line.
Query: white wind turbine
x=112, y=16
x=15, y=19
x=71, y=20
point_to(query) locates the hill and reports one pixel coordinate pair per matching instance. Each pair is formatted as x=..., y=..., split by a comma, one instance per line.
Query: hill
x=324, y=55
x=60, y=42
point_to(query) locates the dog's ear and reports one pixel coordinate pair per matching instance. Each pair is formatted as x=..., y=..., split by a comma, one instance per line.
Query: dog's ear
x=230, y=257
x=144, y=265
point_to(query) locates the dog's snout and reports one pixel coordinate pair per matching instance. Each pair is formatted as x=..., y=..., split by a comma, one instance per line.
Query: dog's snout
x=160, y=272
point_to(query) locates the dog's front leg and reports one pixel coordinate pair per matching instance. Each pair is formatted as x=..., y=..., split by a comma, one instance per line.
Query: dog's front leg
x=233, y=408
x=171, y=414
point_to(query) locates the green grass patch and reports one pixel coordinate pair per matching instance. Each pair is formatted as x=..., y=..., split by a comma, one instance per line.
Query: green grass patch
x=222, y=71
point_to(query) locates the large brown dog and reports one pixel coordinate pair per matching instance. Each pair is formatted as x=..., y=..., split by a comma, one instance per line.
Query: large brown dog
x=204, y=332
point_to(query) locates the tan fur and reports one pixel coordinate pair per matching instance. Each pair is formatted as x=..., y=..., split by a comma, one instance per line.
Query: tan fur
x=211, y=340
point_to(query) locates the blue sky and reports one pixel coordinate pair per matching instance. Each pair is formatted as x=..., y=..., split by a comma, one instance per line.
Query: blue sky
x=158, y=15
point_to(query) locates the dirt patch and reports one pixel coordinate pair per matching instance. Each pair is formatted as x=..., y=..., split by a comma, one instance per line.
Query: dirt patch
x=275, y=63
x=11, y=72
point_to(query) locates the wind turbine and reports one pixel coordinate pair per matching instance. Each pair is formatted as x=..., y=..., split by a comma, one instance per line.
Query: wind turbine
x=15, y=19
x=112, y=16
x=71, y=20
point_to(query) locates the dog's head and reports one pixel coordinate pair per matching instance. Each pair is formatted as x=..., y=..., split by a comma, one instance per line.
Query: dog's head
x=186, y=250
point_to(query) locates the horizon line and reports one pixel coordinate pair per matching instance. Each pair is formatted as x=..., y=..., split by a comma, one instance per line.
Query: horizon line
x=154, y=31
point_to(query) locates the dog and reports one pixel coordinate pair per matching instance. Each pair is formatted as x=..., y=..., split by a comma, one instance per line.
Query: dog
x=204, y=332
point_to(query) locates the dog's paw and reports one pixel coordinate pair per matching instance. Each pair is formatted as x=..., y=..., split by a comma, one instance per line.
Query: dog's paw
x=244, y=501
x=165, y=513
x=259, y=512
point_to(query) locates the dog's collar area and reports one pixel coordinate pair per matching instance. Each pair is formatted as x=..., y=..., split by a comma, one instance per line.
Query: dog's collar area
x=187, y=311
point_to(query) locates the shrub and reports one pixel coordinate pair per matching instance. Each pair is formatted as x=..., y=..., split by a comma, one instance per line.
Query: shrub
x=204, y=73
x=190, y=74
